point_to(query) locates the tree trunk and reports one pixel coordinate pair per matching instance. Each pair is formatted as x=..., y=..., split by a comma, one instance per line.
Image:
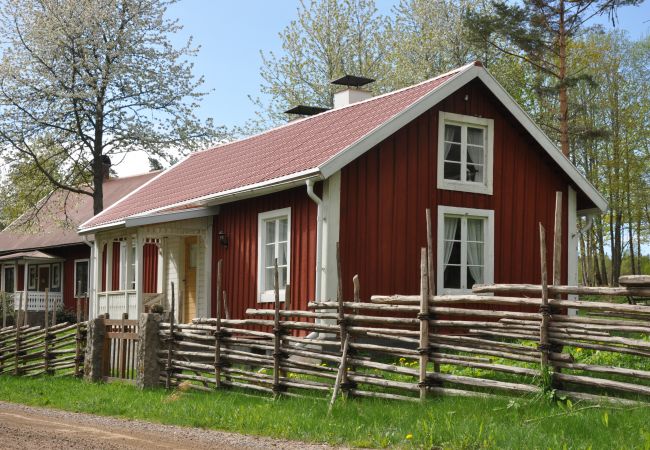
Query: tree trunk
x=563, y=94
x=98, y=162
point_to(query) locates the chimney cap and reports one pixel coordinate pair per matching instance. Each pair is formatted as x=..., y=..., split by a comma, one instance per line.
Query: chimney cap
x=352, y=80
x=304, y=110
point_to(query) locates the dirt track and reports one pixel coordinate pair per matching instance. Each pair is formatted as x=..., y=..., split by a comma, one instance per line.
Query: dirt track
x=26, y=428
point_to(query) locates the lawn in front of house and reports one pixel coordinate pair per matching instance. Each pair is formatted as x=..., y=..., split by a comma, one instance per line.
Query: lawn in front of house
x=455, y=423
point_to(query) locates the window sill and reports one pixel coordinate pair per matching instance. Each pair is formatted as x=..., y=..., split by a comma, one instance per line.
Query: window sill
x=475, y=188
x=269, y=297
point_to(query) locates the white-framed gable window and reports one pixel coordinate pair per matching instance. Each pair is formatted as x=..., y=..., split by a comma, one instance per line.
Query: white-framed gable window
x=465, y=248
x=274, y=241
x=465, y=153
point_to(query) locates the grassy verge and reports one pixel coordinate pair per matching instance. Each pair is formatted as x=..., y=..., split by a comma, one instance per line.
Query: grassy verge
x=456, y=423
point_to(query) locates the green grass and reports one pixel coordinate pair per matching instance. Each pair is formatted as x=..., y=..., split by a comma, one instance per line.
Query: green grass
x=456, y=423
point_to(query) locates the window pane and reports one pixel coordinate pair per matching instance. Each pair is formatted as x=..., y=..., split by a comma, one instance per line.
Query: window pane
x=282, y=257
x=452, y=228
x=474, y=155
x=452, y=277
x=475, y=173
x=269, y=257
x=452, y=171
x=283, y=277
x=81, y=277
x=454, y=256
x=452, y=152
x=474, y=276
x=270, y=231
x=475, y=230
x=475, y=136
x=269, y=279
x=452, y=133
x=475, y=255
x=284, y=229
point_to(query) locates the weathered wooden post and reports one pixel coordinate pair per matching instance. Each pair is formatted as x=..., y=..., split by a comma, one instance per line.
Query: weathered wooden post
x=5, y=305
x=277, y=334
x=217, y=333
x=17, y=344
x=170, y=344
x=226, y=308
x=544, y=308
x=78, y=340
x=148, y=364
x=430, y=270
x=424, y=324
x=557, y=242
x=46, y=336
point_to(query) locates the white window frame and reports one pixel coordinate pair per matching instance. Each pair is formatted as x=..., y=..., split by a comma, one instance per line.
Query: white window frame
x=488, y=230
x=53, y=267
x=466, y=186
x=74, y=286
x=268, y=296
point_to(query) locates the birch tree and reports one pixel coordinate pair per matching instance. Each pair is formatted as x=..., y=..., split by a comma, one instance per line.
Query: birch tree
x=80, y=79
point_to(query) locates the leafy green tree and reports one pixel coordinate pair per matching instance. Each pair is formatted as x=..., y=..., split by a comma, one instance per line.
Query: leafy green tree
x=94, y=78
x=329, y=38
x=540, y=32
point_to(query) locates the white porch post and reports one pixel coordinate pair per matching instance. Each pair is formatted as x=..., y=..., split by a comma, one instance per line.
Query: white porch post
x=93, y=268
x=139, y=273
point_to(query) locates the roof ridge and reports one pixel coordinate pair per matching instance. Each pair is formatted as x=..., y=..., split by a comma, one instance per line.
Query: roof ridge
x=329, y=111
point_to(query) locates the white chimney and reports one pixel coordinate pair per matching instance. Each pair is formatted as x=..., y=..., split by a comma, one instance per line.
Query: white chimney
x=350, y=95
x=354, y=91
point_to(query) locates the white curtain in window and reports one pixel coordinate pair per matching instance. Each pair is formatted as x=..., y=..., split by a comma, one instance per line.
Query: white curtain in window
x=450, y=233
x=475, y=249
x=449, y=137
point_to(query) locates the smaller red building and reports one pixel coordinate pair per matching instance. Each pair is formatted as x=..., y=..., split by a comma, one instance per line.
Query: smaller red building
x=42, y=249
x=361, y=174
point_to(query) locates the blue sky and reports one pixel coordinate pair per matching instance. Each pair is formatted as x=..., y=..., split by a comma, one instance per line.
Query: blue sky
x=232, y=33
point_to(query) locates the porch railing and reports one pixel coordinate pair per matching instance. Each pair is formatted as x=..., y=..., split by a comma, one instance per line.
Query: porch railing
x=36, y=300
x=116, y=303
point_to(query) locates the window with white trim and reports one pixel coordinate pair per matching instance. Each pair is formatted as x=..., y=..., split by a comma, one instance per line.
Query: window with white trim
x=81, y=277
x=465, y=153
x=465, y=248
x=274, y=242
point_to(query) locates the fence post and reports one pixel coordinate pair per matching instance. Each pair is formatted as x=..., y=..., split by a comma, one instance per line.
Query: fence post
x=170, y=344
x=424, y=324
x=277, y=335
x=217, y=333
x=46, y=336
x=544, y=308
x=148, y=365
x=93, y=361
x=78, y=358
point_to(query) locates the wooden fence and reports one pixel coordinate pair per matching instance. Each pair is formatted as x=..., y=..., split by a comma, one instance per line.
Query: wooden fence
x=50, y=349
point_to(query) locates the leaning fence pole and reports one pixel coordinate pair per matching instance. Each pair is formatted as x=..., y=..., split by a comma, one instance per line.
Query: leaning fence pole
x=344, y=335
x=424, y=324
x=46, y=338
x=557, y=242
x=277, y=333
x=5, y=305
x=170, y=343
x=17, y=343
x=544, y=308
x=77, y=349
x=217, y=333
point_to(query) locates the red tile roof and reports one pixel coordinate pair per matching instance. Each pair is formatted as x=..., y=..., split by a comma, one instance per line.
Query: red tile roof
x=58, y=219
x=280, y=152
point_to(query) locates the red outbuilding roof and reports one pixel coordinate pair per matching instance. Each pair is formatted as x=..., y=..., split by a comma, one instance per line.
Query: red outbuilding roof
x=57, y=220
x=302, y=149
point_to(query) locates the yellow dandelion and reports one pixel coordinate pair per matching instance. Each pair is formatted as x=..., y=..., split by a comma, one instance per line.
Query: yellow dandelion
x=409, y=436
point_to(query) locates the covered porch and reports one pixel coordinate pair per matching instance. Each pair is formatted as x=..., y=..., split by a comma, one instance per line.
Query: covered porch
x=29, y=278
x=144, y=268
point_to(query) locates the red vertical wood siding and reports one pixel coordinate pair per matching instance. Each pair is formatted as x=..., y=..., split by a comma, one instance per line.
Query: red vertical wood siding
x=385, y=192
x=150, y=275
x=115, y=275
x=239, y=221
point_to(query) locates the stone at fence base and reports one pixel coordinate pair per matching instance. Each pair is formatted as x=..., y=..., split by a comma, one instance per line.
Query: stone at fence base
x=149, y=343
x=94, y=349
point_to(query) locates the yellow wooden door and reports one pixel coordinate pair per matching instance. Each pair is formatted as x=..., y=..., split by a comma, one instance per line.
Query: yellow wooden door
x=189, y=302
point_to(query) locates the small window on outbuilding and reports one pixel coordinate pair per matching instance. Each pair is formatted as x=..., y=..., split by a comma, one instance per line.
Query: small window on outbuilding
x=274, y=242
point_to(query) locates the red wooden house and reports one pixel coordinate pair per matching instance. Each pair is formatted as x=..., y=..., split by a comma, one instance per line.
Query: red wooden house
x=42, y=249
x=361, y=174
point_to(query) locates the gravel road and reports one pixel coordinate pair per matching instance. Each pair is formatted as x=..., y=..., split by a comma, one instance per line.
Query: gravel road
x=26, y=428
